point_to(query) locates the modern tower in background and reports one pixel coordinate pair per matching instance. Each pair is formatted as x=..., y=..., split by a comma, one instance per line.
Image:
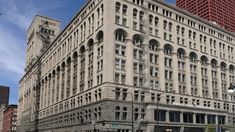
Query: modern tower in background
x=220, y=11
x=4, y=95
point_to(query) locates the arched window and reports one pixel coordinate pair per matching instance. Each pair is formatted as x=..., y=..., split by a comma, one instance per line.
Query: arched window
x=178, y=29
x=136, y=114
x=75, y=64
x=68, y=77
x=193, y=57
x=63, y=80
x=118, y=6
x=168, y=49
x=223, y=66
x=150, y=19
x=201, y=38
x=156, y=21
x=231, y=69
x=153, y=45
x=181, y=53
x=120, y=35
x=100, y=37
x=214, y=63
x=204, y=39
x=58, y=83
x=194, y=35
x=182, y=31
x=170, y=26
x=117, y=113
x=90, y=45
x=82, y=67
x=137, y=40
x=135, y=12
x=164, y=24
x=124, y=9
x=189, y=34
x=124, y=113
x=141, y=16
x=211, y=42
x=204, y=60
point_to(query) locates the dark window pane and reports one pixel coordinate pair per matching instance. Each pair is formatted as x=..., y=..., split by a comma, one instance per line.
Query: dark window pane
x=160, y=115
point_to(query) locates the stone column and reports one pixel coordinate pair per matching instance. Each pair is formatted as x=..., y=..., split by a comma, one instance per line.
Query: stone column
x=181, y=117
x=86, y=69
x=44, y=98
x=129, y=62
x=95, y=61
x=194, y=118
x=205, y=117
x=65, y=81
x=146, y=63
x=55, y=87
x=47, y=90
x=161, y=70
x=60, y=85
x=167, y=116
x=199, y=78
x=78, y=74
x=228, y=84
x=149, y=114
x=150, y=128
x=187, y=75
x=41, y=96
x=210, y=89
x=175, y=72
x=51, y=88
x=219, y=83
x=216, y=119
x=71, y=77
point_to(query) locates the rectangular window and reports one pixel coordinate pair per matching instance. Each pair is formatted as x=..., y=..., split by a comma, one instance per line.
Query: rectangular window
x=188, y=117
x=124, y=20
x=200, y=118
x=211, y=119
x=117, y=20
x=174, y=116
x=160, y=115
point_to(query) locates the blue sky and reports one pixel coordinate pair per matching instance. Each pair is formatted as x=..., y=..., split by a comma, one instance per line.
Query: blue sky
x=14, y=21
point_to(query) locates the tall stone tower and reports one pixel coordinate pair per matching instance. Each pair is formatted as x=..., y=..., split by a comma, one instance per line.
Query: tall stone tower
x=40, y=34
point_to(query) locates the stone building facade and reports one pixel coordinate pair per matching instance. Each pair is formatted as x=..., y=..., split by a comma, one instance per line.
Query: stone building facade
x=175, y=67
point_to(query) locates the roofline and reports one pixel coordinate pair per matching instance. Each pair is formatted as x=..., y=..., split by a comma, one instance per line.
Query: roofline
x=4, y=86
x=42, y=17
x=176, y=8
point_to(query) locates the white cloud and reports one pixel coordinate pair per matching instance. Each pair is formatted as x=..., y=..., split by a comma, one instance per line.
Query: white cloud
x=11, y=52
x=18, y=13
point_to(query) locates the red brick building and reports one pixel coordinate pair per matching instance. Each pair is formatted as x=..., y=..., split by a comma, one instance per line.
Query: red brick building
x=220, y=11
x=9, y=119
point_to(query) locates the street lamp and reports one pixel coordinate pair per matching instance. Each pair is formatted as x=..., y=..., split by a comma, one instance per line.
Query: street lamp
x=132, y=108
